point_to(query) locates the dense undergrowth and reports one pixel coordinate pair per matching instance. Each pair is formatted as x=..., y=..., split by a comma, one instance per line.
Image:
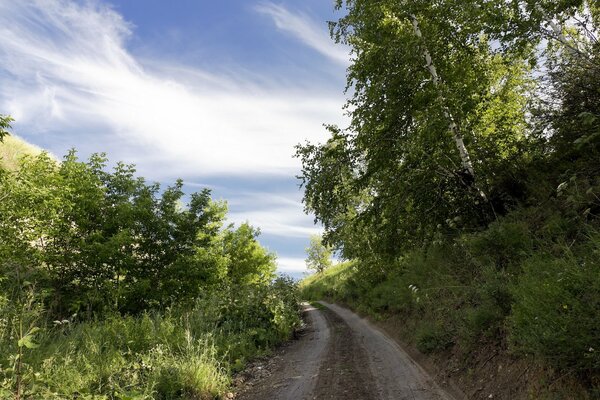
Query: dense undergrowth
x=519, y=284
x=161, y=354
x=111, y=288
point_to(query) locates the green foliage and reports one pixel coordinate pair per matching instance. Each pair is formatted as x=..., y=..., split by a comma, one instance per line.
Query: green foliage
x=468, y=259
x=555, y=311
x=394, y=178
x=328, y=284
x=183, y=353
x=502, y=245
x=432, y=338
x=111, y=288
x=249, y=262
x=4, y=126
x=485, y=287
x=108, y=240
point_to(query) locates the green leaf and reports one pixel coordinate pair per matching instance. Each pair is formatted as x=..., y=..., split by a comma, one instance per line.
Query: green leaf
x=34, y=330
x=27, y=341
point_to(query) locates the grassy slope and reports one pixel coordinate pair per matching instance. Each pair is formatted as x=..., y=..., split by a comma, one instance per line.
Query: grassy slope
x=13, y=148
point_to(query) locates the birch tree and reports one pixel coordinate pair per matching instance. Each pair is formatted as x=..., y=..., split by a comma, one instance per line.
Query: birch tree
x=467, y=164
x=433, y=105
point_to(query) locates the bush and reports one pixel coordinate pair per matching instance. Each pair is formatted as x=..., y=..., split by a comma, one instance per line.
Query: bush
x=392, y=295
x=504, y=244
x=555, y=314
x=433, y=337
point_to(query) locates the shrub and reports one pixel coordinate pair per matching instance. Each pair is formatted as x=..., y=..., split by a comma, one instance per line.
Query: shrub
x=432, y=337
x=555, y=314
x=171, y=354
x=503, y=244
x=392, y=295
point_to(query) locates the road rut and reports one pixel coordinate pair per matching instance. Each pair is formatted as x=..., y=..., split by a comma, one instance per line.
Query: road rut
x=342, y=356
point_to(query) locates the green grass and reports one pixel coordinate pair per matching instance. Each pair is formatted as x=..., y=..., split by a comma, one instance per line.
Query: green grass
x=326, y=284
x=12, y=149
x=317, y=305
x=171, y=354
x=152, y=356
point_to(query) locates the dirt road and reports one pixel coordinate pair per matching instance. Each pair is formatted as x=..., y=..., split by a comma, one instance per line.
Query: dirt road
x=342, y=356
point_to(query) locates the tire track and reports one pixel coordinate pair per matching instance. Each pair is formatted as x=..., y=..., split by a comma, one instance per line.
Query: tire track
x=342, y=356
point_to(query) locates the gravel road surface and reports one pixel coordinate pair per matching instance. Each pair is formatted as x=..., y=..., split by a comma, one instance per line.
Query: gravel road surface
x=342, y=356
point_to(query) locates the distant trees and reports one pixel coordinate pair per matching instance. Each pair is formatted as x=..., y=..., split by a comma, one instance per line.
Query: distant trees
x=318, y=254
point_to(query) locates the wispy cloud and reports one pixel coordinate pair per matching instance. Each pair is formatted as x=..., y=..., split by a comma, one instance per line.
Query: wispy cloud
x=289, y=264
x=66, y=71
x=305, y=29
x=66, y=65
x=275, y=214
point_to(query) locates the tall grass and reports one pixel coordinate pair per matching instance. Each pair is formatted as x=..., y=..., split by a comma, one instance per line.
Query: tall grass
x=172, y=354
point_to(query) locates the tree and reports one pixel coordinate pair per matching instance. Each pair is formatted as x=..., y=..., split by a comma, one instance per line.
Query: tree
x=248, y=262
x=105, y=239
x=434, y=105
x=318, y=255
x=442, y=109
x=5, y=121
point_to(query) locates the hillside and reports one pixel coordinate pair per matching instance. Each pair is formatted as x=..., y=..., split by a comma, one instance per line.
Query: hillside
x=465, y=191
x=13, y=148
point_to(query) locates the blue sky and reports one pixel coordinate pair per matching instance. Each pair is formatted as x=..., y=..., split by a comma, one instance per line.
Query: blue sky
x=214, y=92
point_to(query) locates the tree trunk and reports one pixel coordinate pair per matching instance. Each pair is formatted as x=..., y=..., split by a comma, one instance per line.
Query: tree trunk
x=467, y=164
x=572, y=48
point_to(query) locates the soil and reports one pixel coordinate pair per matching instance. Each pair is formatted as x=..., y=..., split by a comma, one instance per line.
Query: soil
x=338, y=355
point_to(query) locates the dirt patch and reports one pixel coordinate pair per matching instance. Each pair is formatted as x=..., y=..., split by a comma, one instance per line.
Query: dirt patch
x=292, y=371
x=395, y=374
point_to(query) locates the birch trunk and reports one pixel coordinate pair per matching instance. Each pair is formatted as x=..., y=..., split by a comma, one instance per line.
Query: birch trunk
x=458, y=138
x=558, y=31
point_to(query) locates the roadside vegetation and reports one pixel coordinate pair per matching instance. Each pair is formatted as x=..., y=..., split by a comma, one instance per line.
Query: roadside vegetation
x=114, y=288
x=466, y=191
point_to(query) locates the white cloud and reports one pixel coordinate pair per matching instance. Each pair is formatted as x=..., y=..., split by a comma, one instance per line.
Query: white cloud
x=307, y=31
x=66, y=65
x=280, y=221
x=275, y=214
x=289, y=264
